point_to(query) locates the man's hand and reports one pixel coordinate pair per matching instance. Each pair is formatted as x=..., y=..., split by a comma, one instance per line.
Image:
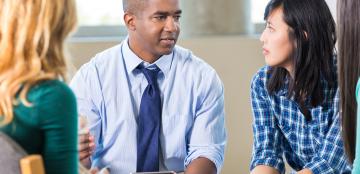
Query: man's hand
x=201, y=166
x=86, y=148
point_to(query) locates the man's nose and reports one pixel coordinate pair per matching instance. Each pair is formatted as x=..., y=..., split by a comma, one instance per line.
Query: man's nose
x=171, y=25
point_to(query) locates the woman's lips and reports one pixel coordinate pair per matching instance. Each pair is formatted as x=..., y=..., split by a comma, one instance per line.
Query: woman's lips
x=265, y=51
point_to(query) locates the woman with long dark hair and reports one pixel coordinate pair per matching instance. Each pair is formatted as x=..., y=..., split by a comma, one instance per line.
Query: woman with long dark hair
x=294, y=97
x=349, y=73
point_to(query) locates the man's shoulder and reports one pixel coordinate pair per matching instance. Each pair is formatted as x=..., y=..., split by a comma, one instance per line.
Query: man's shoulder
x=107, y=55
x=189, y=60
x=103, y=59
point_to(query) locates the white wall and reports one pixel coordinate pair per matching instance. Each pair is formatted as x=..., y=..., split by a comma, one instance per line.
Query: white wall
x=332, y=6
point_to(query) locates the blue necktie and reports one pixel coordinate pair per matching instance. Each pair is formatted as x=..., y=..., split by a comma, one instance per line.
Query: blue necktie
x=149, y=124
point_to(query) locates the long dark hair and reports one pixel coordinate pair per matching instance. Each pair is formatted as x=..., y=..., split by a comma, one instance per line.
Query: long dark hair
x=312, y=31
x=349, y=69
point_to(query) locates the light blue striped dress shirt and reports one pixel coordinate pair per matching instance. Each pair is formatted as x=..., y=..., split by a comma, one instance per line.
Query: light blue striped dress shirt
x=109, y=90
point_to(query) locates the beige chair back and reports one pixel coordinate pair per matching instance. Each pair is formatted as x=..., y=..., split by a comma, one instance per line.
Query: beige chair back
x=14, y=159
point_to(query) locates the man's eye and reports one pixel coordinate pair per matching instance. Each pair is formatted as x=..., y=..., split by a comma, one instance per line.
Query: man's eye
x=177, y=18
x=160, y=17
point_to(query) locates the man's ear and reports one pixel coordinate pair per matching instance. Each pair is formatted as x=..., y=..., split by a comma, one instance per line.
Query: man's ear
x=129, y=20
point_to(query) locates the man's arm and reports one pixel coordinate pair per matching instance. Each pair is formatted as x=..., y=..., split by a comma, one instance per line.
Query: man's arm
x=207, y=139
x=201, y=166
x=85, y=87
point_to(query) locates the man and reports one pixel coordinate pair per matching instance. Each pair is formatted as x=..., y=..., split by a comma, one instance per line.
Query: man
x=151, y=105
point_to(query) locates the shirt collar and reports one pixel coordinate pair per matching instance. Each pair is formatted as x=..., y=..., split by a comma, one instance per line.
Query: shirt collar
x=132, y=60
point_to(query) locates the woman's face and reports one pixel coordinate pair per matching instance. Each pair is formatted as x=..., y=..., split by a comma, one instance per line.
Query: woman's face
x=277, y=46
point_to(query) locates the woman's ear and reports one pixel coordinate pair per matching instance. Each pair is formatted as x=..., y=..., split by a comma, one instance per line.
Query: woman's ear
x=129, y=20
x=306, y=35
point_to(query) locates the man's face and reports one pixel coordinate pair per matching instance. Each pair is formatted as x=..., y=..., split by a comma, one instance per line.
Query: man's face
x=157, y=27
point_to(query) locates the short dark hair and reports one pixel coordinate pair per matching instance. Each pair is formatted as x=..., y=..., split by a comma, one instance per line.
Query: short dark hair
x=133, y=6
x=312, y=32
x=349, y=69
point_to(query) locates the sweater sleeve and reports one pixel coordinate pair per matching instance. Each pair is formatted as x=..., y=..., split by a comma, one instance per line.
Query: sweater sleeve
x=56, y=107
x=356, y=164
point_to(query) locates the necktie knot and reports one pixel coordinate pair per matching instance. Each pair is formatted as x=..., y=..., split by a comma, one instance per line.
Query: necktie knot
x=150, y=74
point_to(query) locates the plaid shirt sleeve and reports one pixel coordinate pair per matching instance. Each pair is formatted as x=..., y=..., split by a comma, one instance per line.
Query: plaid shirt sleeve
x=267, y=136
x=331, y=157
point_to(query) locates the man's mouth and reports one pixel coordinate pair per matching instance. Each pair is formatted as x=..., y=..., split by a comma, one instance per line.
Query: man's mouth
x=168, y=41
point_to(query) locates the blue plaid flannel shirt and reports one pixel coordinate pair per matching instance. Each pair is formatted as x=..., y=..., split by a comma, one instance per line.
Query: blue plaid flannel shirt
x=280, y=129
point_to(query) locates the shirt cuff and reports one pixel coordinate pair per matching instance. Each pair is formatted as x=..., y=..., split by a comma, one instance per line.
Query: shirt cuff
x=214, y=157
x=319, y=166
x=276, y=163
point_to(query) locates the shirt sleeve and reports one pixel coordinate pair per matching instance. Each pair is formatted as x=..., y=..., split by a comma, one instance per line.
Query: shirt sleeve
x=267, y=136
x=87, y=89
x=58, y=121
x=208, y=136
x=331, y=157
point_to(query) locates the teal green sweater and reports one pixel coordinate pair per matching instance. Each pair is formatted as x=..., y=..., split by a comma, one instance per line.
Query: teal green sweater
x=48, y=127
x=356, y=165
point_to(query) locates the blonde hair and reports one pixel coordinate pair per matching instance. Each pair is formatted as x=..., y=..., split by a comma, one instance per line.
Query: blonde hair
x=32, y=35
